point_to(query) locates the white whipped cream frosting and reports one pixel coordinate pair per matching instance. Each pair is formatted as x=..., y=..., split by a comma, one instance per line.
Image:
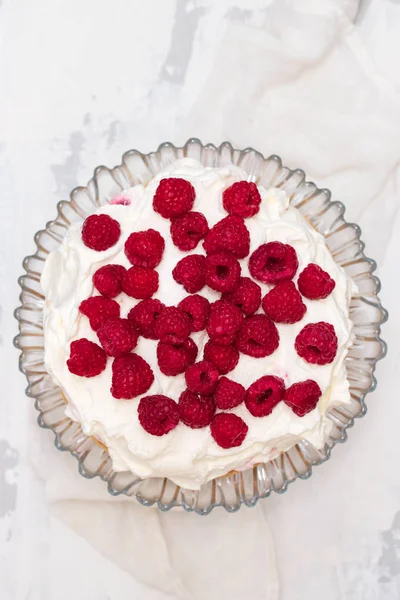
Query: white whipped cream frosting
x=190, y=457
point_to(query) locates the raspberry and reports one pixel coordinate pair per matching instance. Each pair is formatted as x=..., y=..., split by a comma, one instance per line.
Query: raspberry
x=225, y=320
x=100, y=232
x=187, y=231
x=273, y=262
x=190, y=272
x=145, y=315
x=228, y=430
x=131, y=376
x=222, y=272
x=314, y=283
x=86, y=358
x=172, y=321
x=283, y=304
x=99, y=310
x=264, y=394
x=140, y=282
x=228, y=393
x=230, y=235
x=118, y=337
x=202, y=377
x=317, y=343
x=225, y=358
x=242, y=199
x=174, y=197
x=174, y=356
x=145, y=248
x=108, y=280
x=247, y=296
x=158, y=414
x=258, y=337
x=303, y=397
x=198, y=310
x=196, y=411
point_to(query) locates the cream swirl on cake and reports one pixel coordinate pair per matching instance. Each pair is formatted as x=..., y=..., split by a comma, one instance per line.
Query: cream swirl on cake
x=191, y=456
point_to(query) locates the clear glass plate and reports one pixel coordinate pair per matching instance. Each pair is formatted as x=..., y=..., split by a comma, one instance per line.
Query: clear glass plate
x=234, y=489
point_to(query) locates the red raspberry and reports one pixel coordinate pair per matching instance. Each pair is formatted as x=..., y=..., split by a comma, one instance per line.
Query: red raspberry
x=242, y=199
x=140, y=282
x=174, y=356
x=174, y=197
x=202, y=377
x=145, y=315
x=264, y=394
x=247, y=296
x=99, y=310
x=145, y=248
x=273, y=262
x=225, y=358
x=172, y=321
x=303, y=397
x=131, y=376
x=222, y=272
x=229, y=235
x=187, y=231
x=86, y=358
x=228, y=430
x=158, y=414
x=314, y=283
x=317, y=343
x=118, y=337
x=283, y=304
x=100, y=232
x=196, y=411
x=257, y=337
x=225, y=320
x=190, y=272
x=228, y=393
x=198, y=310
x=108, y=280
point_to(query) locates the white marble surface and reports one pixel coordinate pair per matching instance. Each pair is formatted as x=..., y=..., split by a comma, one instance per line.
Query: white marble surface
x=82, y=81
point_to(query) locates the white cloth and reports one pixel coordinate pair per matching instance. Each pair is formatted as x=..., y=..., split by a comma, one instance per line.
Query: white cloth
x=305, y=87
x=178, y=553
x=298, y=83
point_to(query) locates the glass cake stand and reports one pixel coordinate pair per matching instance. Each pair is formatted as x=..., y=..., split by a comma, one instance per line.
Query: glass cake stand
x=236, y=488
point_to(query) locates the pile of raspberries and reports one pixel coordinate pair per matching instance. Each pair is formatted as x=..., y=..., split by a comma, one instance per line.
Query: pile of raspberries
x=233, y=323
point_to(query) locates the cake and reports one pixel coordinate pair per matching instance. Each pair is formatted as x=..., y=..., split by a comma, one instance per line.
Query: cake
x=197, y=325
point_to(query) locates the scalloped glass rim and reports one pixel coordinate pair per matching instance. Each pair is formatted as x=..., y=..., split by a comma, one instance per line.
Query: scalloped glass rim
x=237, y=488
